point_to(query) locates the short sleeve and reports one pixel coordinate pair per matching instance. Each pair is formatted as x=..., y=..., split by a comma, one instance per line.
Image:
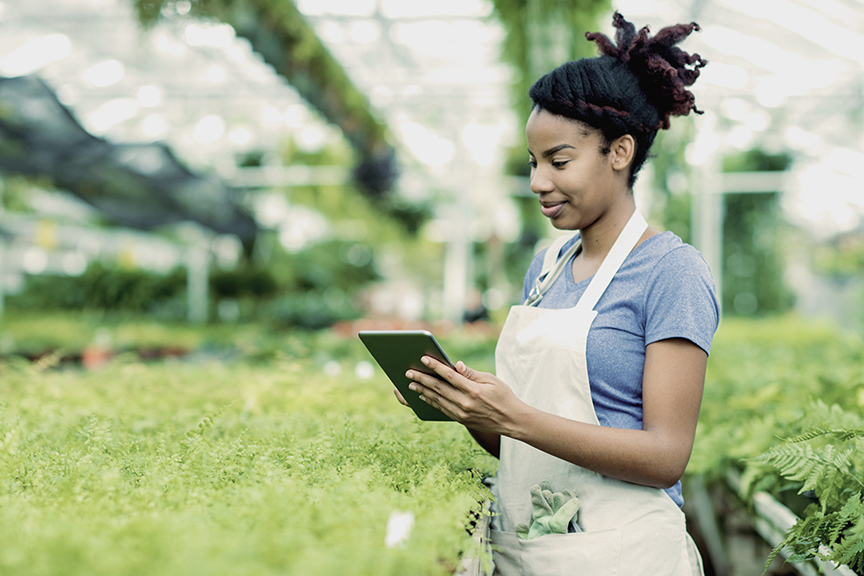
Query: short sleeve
x=681, y=299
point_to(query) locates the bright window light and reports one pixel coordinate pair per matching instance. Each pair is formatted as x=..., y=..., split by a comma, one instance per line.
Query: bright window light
x=216, y=74
x=345, y=7
x=270, y=115
x=403, y=9
x=311, y=139
x=111, y=113
x=428, y=147
x=706, y=143
x=104, y=74
x=210, y=35
x=34, y=54
x=827, y=214
x=482, y=142
x=149, y=96
x=209, y=129
x=365, y=32
x=381, y=96
x=240, y=136
x=35, y=260
x=331, y=32
x=757, y=51
x=437, y=33
x=296, y=116
x=154, y=126
x=810, y=24
x=168, y=45
x=741, y=137
x=724, y=75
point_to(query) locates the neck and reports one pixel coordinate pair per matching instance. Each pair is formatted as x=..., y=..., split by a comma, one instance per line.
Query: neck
x=598, y=238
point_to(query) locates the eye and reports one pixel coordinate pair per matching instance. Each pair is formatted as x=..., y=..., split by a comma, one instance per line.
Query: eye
x=559, y=164
x=532, y=162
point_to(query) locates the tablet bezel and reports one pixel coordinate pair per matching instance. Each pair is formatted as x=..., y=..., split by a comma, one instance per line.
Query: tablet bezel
x=397, y=351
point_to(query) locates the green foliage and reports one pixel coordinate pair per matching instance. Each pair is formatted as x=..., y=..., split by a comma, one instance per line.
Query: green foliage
x=842, y=258
x=753, y=267
x=671, y=179
x=831, y=530
x=208, y=468
x=540, y=30
x=106, y=288
x=771, y=410
x=279, y=33
x=761, y=381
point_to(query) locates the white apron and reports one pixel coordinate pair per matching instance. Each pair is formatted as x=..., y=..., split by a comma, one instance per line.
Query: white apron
x=629, y=529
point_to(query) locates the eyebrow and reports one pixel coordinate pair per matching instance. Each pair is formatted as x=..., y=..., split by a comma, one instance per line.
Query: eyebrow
x=555, y=149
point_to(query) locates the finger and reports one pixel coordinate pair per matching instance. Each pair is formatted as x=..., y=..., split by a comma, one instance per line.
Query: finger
x=423, y=383
x=440, y=402
x=446, y=372
x=400, y=397
x=465, y=371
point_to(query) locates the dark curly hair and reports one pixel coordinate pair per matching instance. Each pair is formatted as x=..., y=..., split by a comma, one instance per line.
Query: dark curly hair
x=633, y=87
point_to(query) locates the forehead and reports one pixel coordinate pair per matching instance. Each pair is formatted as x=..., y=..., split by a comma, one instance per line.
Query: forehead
x=544, y=126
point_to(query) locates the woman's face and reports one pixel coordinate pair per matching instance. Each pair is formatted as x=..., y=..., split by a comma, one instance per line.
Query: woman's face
x=575, y=181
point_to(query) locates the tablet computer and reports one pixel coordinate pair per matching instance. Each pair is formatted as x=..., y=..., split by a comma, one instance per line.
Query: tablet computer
x=397, y=351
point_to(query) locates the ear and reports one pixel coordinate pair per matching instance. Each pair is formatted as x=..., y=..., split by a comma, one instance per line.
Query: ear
x=621, y=152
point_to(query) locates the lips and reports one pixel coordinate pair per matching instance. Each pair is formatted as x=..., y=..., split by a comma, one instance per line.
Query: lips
x=551, y=209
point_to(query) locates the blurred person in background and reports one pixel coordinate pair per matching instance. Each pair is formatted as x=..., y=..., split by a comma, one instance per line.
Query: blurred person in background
x=600, y=370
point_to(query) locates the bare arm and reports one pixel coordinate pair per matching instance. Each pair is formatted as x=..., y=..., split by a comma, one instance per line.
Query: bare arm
x=654, y=456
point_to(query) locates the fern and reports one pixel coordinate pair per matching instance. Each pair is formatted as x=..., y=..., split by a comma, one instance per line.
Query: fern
x=843, y=434
x=837, y=523
x=826, y=472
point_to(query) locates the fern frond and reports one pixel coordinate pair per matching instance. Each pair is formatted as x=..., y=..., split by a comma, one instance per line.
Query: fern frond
x=852, y=511
x=849, y=551
x=842, y=433
x=801, y=463
x=794, y=461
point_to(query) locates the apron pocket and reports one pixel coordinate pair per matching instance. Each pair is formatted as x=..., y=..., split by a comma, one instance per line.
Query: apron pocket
x=582, y=553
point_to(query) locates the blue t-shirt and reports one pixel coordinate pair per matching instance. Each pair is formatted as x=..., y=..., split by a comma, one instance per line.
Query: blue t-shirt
x=664, y=289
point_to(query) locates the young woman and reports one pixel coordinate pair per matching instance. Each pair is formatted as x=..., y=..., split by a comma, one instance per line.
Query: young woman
x=600, y=370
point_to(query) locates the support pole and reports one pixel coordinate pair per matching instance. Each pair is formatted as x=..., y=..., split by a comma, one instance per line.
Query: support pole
x=707, y=218
x=197, y=282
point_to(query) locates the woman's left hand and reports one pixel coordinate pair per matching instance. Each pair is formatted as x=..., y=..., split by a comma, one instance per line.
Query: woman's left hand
x=479, y=400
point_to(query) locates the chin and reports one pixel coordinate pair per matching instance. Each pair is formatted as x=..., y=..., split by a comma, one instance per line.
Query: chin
x=564, y=225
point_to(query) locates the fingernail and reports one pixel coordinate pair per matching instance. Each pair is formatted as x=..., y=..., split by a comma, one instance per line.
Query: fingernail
x=412, y=387
x=425, y=360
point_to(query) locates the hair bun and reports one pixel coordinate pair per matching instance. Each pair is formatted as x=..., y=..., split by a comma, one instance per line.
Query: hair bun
x=662, y=67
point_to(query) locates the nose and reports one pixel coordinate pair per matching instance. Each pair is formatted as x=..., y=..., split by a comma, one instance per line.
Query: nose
x=539, y=182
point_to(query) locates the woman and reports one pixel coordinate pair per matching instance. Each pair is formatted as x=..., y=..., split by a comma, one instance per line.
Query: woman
x=600, y=371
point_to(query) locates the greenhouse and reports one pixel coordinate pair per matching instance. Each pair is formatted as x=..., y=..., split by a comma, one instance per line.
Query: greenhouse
x=203, y=203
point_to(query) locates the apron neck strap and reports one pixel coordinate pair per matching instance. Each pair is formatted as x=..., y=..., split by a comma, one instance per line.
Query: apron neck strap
x=625, y=243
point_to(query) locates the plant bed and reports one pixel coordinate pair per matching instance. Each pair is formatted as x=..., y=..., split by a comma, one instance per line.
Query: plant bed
x=772, y=418
x=223, y=469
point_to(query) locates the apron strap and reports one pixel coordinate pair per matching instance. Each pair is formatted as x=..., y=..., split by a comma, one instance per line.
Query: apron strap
x=552, y=267
x=625, y=243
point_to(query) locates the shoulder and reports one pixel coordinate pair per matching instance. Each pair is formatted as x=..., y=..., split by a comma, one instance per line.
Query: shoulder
x=680, y=297
x=666, y=253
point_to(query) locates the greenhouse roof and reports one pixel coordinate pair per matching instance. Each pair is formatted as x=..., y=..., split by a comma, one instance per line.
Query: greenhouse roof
x=783, y=75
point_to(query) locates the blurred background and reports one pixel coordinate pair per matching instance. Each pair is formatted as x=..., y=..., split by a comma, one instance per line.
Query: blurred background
x=361, y=163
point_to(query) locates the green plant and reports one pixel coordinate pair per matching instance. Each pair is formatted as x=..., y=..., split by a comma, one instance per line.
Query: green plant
x=193, y=468
x=102, y=287
x=832, y=528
